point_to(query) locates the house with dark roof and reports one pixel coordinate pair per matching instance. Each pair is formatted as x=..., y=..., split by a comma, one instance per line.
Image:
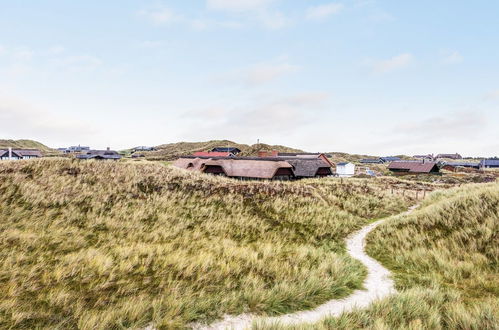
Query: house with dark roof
x=143, y=148
x=413, y=167
x=449, y=156
x=461, y=164
x=371, y=161
x=16, y=154
x=99, y=155
x=74, y=149
x=489, y=163
x=296, y=155
x=232, y=150
x=379, y=160
x=425, y=157
x=389, y=159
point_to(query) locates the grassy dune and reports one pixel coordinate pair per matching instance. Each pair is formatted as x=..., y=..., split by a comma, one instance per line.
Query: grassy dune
x=172, y=151
x=26, y=144
x=445, y=263
x=112, y=245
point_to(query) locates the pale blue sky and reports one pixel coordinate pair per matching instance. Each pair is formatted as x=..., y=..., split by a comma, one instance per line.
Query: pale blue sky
x=372, y=77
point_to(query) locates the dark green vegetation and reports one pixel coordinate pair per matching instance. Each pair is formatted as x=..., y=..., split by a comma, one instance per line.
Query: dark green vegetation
x=99, y=245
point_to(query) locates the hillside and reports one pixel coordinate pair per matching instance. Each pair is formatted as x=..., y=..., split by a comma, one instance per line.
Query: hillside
x=101, y=245
x=26, y=144
x=444, y=257
x=172, y=151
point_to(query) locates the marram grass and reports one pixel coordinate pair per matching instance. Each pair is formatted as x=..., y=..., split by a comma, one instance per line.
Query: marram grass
x=97, y=245
x=444, y=259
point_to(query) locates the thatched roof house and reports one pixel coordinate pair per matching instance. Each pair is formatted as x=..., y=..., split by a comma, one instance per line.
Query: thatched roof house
x=257, y=168
x=238, y=168
x=414, y=167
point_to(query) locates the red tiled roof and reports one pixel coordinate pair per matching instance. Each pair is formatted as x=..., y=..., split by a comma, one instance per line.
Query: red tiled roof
x=211, y=154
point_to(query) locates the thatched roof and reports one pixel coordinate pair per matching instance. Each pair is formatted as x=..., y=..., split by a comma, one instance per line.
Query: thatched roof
x=414, y=166
x=256, y=167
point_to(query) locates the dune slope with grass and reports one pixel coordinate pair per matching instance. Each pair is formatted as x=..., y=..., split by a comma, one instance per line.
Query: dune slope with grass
x=444, y=260
x=113, y=244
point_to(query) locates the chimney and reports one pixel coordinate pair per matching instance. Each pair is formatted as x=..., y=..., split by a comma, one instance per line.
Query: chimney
x=10, y=153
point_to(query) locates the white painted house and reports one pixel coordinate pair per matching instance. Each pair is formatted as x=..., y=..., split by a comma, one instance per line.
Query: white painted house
x=345, y=170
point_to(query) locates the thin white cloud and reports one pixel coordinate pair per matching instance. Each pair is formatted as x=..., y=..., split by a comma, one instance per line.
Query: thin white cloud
x=259, y=74
x=251, y=11
x=260, y=115
x=446, y=126
x=265, y=73
x=238, y=5
x=80, y=62
x=23, y=54
x=321, y=12
x=272, y=19
x=151, y=44
x=159, y=15
x=451, y=57
x=392, y=64
x=21, y=120
x=492, y=95
x=55, y=50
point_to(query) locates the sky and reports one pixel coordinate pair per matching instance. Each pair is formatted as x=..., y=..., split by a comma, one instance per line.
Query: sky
x=359, y=76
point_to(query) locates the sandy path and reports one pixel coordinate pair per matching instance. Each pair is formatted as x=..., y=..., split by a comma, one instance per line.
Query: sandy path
x=377, y=285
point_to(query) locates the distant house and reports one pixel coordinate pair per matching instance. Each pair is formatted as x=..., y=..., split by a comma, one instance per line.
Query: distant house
x=389, y=159
x=449, y=156
x=371, y=161
x=461, y=164
x=232, y=150
x=425, y=157
x=100, y=155
x=295, y=155
x=213, y=154
x=16, y=154
x=413, y=167
x=489, y=163
x=345, y=169
x=74, y=149
x=143, y=148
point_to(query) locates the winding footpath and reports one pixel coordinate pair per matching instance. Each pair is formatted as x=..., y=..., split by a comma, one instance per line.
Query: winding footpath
x=377, y=284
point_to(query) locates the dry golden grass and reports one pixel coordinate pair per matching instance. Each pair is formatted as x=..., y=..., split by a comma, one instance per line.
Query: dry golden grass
x=444, y=258
x=100, y=245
